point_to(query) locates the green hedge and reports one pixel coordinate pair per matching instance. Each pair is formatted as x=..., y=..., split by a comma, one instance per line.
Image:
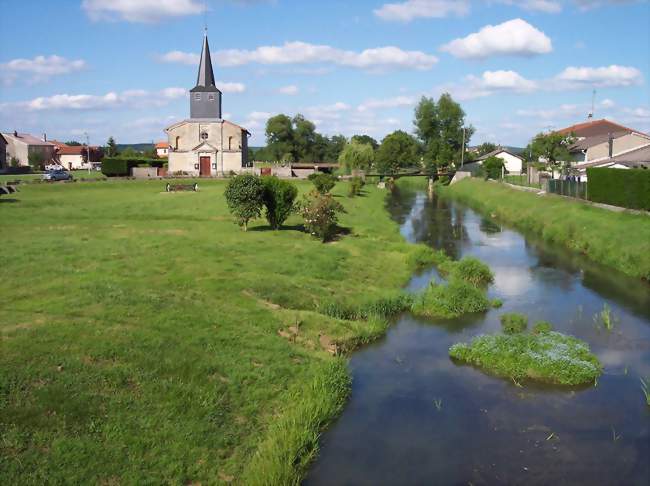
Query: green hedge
x=620, y=187
x=117, y=166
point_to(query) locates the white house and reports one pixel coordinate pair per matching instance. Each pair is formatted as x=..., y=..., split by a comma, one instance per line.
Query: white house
x=162, y=150
x=513, y=162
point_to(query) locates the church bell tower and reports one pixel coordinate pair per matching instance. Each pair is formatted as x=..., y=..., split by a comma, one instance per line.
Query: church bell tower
x=205, y=97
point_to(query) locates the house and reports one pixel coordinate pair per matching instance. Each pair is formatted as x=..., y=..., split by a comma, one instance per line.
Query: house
x=602, y=147
x=205, y=144
x=162, y=149
x=638, y=158
x=23, y=147
x=74, y=157
x=594, y=128
x=513, y=162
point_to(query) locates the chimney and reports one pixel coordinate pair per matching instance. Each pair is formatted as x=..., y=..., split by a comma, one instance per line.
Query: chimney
x=611, y=144
x=45, y=137
x=16, y=133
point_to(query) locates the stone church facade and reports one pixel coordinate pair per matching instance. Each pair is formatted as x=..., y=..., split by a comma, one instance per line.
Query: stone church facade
x=205, y=144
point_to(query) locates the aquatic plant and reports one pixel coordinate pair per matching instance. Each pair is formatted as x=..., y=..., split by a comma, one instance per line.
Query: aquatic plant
x=542, y=326
x=646, y=391
x=378, y=308
x=438, y=404
x=605, y=317
x=549, y=357
x=513, y=323
x=451, y=300
x=473, y=271
x=496, y=303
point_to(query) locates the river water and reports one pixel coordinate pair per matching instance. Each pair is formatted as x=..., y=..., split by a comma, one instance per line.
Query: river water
x=415, y=417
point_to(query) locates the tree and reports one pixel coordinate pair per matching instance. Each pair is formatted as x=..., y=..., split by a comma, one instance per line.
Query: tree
x=129, y=152
x=111, y=147
x=357, y=156
x=280, y=138
x=552, y=149
x=320, y=213
x=335, y=147
x=493, y=167
x=36, y=160
x=397, y=151
x=440, y=126
x=367, y=139
x=73, y=143
x=279, y=197
x=245, y=198
x=323, y=182
x=304, y=138
x=486, y=148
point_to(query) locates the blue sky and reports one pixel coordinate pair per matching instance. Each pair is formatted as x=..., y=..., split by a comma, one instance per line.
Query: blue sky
x=122, y=67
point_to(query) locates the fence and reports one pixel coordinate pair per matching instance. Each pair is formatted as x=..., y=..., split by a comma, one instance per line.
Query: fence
x=568, y=188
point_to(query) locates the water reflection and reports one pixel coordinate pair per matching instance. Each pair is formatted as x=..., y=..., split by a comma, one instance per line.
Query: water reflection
x=415, y=417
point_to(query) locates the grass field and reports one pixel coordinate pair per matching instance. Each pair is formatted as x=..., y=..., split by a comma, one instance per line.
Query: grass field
x=146, y=339
x=620, y=240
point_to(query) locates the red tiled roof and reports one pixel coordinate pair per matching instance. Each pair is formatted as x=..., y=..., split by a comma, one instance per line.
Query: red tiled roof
x=162, y=145
x=594, y=128
x=63, y=149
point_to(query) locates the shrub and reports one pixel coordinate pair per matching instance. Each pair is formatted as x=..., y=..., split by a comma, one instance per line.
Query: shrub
x=424, y=256
x=245, y=198
x=356, y=183
x=320, y=213
x=121, y=166
x=514, y=323
x=542, y=327
x=452, y=300
x=323, y=182
x=279, y=197
x=380, y=308
x=493, y=167
x=473, y=271
x=549, y=357
x=496, y=303
x=625, y=188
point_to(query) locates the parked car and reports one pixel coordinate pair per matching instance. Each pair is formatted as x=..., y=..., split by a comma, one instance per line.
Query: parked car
x=57, y=175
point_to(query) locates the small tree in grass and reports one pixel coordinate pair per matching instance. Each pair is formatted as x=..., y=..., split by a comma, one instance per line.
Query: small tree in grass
x=320, y=213
x=245, y=198
x=493, y=167
x=36, y=160
x=323, y=182
x=279, y=198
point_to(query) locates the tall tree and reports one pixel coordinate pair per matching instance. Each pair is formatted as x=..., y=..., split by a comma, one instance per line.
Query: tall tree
x=280, y=138
x=440, y=127
x=485, y=148
x=335, y=147
x=304, y=136
x=357, y=156
x=398, y=150
x=111, y=147
x=367, y=139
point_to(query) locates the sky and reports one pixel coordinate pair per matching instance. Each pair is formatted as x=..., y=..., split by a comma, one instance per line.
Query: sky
x=122, y=68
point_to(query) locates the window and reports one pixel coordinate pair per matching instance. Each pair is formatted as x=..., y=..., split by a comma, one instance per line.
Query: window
x=204, y=135
x=197, y=96
x=211, y=97
x=177, y=139
x=229, y=143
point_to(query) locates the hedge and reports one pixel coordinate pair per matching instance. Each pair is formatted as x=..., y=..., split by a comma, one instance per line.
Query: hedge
x=117, y=166
x=620, y=187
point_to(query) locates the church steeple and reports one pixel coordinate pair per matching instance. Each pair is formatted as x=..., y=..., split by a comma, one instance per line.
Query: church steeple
x=205, y=97
x=206, y=75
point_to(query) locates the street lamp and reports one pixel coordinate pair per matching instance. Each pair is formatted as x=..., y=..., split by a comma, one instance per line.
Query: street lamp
x=88, y=152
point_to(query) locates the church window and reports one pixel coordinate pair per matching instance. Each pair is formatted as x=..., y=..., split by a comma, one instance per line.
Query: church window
x=204, y=135
x=197, y=96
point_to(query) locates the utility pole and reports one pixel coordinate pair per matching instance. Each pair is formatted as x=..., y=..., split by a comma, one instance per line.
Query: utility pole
x=462, y=151
x=88, y=151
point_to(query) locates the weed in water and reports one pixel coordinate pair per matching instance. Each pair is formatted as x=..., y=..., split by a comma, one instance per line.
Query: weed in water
x=646, y=391
x=604, y=317
x=615, y=436
x=513, y=323
x=438, y=404
x=542, y=327
x=496, y=303
x=452, y=300
x=473, y=271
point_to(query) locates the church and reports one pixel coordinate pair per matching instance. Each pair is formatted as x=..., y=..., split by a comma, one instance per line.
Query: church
x=205, y=144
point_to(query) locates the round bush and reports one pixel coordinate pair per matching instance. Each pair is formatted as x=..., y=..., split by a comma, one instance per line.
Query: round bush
x=514, y=323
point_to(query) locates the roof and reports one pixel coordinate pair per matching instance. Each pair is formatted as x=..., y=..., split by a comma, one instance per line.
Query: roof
x=205, y=120
x=637, y=156
x=162, y=145
x=594, y=128
x=206, y=75
x=27, y=139
x=592, y=141
x=498, y=151
x=65, y=149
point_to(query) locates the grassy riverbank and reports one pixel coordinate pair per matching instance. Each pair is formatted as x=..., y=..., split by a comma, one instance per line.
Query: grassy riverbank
x=620, y=240
x=146, y=339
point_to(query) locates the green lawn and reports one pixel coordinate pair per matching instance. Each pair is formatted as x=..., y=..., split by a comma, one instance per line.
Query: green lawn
x=620, y=240
x=520, y=180
x=145, y=339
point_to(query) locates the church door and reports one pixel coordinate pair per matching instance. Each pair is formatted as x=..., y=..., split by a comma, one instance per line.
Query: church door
x=205, y=166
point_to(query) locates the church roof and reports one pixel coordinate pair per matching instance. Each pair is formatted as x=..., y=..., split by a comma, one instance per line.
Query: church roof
x=206, y=75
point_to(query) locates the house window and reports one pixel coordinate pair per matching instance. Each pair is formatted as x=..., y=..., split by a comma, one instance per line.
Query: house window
x=229, y=143
x=176, y=146
x=197, y=96
x=211, y=97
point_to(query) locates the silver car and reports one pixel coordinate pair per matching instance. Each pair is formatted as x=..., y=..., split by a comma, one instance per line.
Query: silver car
x=57, y=175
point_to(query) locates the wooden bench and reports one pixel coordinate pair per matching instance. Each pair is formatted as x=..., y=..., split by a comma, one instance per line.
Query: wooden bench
x=7, y=190
x=181, y=187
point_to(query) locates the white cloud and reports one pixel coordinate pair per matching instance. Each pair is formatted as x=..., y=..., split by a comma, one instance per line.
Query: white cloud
x=225, y=87
x=140, y=10
x=413, y=9
x=290, y=90
x=180, y=57
x=304, y=53
x=606, y=76
x=395, y=102
x=588, y=4
x=515, y=38
x=38, y=69
x=607, y=103
x=545, y=6
x=563, y=111
x=326, y=112
x=506, y=80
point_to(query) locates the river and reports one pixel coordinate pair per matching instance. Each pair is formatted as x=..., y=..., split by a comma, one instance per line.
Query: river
x=416, y=417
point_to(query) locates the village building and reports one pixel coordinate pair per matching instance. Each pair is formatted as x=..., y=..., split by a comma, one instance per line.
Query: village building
x=162, y=150
x=205, y=144
x=21, y=147
x=3, y=152
x=75, y=157
x=512, y=162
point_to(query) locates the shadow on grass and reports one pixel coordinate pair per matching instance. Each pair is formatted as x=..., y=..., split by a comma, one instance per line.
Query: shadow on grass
x=295, y=227
x=10, y=200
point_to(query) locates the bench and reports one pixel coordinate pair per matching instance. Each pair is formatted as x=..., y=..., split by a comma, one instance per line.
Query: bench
x=7, y=190
x=181, y=187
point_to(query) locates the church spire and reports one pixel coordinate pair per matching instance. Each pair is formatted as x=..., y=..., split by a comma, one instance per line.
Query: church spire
x=206, y=75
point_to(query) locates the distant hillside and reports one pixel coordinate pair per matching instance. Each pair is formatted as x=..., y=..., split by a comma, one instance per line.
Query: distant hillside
x=138, y=147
